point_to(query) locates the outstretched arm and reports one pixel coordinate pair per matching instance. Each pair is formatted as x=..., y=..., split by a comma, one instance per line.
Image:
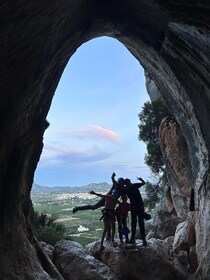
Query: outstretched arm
x=113, y=179
x=114, y=183
x=142, y=180
x=139, y=185
x=98, y=194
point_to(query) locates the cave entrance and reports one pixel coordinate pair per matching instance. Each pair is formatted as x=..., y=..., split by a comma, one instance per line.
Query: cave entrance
x=94, y=118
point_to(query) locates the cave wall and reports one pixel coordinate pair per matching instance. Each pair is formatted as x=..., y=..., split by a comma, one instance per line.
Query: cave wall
x=178, y=166
x=171, y=41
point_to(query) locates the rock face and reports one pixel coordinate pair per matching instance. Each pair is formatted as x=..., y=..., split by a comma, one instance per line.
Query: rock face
x=184, y=237
x=140, y=263
x=152, y=89
x=171, y=41
x=73, y=260
x=179, y=171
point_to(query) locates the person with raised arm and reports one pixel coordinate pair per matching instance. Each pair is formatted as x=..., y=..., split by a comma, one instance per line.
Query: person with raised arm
x=137, y=208
x=115, y=185
x=108, y=214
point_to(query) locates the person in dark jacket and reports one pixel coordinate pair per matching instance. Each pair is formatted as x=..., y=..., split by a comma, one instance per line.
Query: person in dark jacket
x=137, y=208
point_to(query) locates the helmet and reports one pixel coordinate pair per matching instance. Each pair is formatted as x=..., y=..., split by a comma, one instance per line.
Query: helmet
x=115, y=193
x=120, y=180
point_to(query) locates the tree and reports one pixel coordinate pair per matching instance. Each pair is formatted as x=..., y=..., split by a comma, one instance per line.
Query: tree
x=152, y=195
x=150, y=118
x=46, y=229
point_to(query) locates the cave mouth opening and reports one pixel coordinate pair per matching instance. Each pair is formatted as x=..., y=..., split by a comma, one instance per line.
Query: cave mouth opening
x=94, y=118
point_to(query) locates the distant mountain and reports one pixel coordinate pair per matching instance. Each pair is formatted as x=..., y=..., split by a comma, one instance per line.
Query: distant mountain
x=98, y=187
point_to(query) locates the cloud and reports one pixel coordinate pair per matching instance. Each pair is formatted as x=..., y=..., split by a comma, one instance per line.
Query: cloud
x=92, y=132
x=87, y=145
x=54, y=155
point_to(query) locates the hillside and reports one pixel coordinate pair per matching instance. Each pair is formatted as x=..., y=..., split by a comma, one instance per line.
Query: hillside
x=99, y=187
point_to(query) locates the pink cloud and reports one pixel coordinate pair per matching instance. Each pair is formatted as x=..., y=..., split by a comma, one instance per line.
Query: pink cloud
x=106, y=133
x=93, y=132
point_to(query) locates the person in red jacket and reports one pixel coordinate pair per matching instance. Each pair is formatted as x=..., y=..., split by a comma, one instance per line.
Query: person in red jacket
x=108, y=214
x=122, y=217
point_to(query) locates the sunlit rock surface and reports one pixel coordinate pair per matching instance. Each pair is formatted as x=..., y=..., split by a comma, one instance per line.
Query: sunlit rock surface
x=174, y=149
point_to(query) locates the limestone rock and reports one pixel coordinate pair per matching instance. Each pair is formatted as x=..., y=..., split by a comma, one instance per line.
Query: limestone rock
x=152, y=89
x=75, y=263
x=48, y=249
x=138, y=262
x=165, y=224
x=184, y=237
x=174, y=149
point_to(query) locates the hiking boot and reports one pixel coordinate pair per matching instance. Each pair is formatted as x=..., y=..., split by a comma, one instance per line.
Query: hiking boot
x=75, y=209
x=132, y=241
x=144, y=243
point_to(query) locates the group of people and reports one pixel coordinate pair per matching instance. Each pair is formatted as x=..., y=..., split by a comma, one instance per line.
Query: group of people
x=116, y=206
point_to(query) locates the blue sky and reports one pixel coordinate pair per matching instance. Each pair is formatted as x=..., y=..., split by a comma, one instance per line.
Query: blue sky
x=94, y=119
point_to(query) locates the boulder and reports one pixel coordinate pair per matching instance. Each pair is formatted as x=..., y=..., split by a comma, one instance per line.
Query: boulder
x=76, y=263
x=139, y=262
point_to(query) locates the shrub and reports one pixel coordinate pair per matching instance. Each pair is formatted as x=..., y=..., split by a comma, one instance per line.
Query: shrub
x=46, y=229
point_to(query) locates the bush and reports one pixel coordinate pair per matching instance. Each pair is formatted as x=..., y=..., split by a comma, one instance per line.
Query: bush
x=47, y=230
